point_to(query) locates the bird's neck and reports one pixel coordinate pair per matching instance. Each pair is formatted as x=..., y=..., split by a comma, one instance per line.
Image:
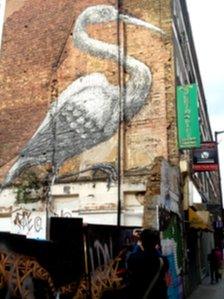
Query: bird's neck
x=137, y=88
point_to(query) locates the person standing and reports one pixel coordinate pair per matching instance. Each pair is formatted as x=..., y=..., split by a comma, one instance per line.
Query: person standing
x=147, y=270
x=218, y=258
x=214, y=259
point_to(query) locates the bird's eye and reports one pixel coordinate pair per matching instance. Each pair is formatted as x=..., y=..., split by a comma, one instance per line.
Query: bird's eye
x=105, y=13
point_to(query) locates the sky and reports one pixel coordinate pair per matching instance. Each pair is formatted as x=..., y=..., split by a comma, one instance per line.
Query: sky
x=2, y=10
x=207, y=22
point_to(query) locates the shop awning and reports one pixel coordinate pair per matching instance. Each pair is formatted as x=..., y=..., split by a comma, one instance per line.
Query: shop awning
x=199, y=219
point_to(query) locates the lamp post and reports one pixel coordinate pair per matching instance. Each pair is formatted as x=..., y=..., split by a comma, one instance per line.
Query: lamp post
x=219, y=174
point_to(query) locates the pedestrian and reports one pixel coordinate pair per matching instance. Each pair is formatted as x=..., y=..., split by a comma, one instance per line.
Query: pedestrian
x=147, y=270
x=214, y=259
x=218, y=257
x=135, y=246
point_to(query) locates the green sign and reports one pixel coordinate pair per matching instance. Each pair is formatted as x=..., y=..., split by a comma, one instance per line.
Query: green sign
x=187, y=117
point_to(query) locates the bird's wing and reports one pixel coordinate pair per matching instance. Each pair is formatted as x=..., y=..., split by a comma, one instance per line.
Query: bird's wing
x=77, y=129
x=78, y=125
x=95, y=80
x=41, y=144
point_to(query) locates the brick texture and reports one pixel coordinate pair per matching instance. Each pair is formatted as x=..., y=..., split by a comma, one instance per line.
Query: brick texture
x=39, y=61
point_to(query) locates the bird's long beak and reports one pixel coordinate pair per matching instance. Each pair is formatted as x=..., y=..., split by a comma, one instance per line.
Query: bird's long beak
x=131, y=20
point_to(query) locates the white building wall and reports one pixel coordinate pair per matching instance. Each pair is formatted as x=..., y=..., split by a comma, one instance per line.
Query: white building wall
x=93, y=202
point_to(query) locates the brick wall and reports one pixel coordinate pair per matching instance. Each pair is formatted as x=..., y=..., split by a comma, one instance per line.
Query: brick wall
x=39, y=60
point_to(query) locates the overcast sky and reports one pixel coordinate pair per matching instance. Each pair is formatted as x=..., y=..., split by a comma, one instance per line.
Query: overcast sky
x=207, y=21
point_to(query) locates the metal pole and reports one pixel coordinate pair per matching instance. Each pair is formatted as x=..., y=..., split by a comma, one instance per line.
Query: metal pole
x=120, y=79
x=219, y=175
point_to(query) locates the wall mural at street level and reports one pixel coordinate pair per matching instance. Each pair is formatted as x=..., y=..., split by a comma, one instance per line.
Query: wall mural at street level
x=87, y=111
x=29, y=223
x=172, y=249
x=108, y=249
x=24, y=262
x=19, y=274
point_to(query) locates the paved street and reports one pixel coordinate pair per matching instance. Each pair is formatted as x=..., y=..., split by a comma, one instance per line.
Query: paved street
x=208, y=291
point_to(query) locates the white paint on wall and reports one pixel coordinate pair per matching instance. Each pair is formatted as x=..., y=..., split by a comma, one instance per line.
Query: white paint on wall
x=91, y=201
x=97, y=205
x=5, y=224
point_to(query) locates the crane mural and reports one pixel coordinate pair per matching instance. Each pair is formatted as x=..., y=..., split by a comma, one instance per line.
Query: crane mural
x=86, y=113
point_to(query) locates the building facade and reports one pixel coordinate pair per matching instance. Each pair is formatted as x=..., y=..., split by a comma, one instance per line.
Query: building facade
x=134, y=98
x=88, y=120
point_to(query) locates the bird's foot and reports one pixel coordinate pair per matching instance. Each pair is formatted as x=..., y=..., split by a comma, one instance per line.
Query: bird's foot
x=108, y=169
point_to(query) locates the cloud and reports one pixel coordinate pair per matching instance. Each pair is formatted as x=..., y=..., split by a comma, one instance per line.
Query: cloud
x=215, y=101
x=207, y=25
x=207, y=21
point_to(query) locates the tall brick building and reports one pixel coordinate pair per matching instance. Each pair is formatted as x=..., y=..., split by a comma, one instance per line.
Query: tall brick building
x=95, y=123
x=40, y=61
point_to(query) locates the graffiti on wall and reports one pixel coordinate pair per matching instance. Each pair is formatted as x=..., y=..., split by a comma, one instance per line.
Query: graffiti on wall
x=61, y=213
x=29, y=223
x=172, y=249
x=87, y=112
x=175, y=287
x=108, y=248
x=106, y=251
x=104, y=254
x=18, y=275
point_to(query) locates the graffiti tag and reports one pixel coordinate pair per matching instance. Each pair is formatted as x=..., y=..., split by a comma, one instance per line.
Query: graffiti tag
x=103, y=253
x=26, y=222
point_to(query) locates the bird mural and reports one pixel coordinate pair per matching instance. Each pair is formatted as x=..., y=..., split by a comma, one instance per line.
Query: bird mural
x=86, y=113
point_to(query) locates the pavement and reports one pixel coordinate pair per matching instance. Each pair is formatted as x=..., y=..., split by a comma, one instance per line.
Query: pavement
x=209, y=291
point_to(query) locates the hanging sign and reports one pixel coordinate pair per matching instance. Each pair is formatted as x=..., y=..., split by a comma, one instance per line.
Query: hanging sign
x=206, y=157
x=187, y=117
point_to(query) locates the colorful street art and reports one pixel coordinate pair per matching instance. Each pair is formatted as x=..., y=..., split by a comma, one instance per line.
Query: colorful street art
x=107, y=250
x=33, y=268
x=172, y=249
x=87, y=112
x=93, y=259
x=18, y=275
x=23, y=262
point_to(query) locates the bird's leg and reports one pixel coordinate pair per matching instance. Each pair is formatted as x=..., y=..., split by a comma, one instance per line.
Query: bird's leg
x=108, y=169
